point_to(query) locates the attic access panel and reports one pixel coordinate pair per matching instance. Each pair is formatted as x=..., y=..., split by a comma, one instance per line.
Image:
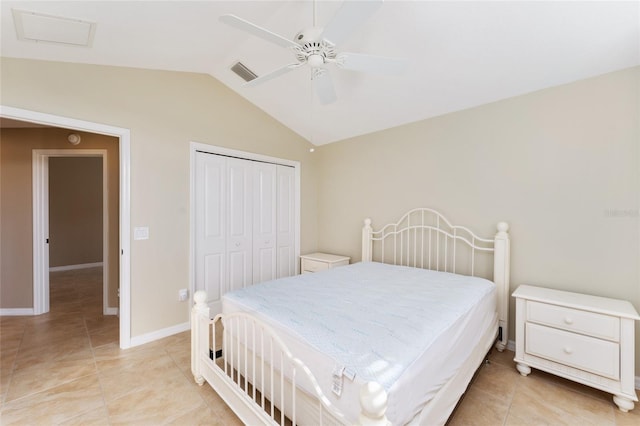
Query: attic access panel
x=43, y=28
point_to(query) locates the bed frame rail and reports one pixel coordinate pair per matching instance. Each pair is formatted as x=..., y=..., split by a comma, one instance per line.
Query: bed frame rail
x=424, y=238
x=259, y=378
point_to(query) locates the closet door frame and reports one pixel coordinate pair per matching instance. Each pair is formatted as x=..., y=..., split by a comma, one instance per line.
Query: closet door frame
x=212, y=149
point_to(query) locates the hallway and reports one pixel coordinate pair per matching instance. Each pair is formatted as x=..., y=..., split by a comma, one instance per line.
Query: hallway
x=66, y=367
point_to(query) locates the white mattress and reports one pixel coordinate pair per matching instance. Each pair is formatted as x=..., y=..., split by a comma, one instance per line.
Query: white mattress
x=408, y=329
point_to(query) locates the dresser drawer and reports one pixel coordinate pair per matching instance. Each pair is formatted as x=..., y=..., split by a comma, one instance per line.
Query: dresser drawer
x=575, y=350
x=309, y=265
x=589, y=323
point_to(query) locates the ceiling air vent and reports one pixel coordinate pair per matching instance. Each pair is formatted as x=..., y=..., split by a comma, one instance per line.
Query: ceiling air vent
x=245, y=73
x=42, y=28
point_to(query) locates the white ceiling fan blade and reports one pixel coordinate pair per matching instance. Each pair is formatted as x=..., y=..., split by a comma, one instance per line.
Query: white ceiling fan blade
x=371, y=63
x=251, y=28
x=323, y=85
x=272, y=75
x=349, y=17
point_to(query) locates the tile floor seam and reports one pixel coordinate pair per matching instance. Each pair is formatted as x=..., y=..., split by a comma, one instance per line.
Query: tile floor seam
x=13, y=365
x=95, y=364
x=65, y=382
x=511, y=396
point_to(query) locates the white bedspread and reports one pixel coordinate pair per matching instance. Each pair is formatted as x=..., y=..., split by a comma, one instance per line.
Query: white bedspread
x=378, y=321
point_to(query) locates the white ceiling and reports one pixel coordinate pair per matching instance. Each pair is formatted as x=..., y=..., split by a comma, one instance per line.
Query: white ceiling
x=462, y=53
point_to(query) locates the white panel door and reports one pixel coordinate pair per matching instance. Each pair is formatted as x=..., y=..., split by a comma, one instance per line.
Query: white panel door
x=244, y=224
x=210, y=230
x=264, y=222
x=285, y=217
x=239, y=223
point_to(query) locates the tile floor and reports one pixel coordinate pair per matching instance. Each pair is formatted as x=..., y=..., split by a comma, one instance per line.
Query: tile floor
x=65, y=368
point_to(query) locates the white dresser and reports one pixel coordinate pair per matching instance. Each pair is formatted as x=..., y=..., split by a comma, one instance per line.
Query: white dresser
x=316, y=262
x=584, y=338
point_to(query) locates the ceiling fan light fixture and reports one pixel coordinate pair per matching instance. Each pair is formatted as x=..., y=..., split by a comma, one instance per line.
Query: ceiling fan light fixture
x=316, y=47
x=315, y=60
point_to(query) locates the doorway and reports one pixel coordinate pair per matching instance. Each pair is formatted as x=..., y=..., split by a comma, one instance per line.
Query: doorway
x=123, y=136
x=41, y=223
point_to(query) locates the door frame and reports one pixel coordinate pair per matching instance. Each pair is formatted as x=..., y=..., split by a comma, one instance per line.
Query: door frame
x=212, y=149
x=124, y=139
x=41, y=255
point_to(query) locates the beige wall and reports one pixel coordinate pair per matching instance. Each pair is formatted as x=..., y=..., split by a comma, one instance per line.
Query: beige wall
x=560, y=165
x=16, y=220
x=555, y=164
x=75, y=210
x=164, y=112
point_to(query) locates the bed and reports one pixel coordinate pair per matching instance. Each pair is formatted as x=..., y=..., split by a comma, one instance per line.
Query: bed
x=394, y=339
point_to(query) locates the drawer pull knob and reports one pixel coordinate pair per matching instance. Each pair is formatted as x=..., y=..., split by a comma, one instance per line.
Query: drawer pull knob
x=568, y=320
x=568, y=350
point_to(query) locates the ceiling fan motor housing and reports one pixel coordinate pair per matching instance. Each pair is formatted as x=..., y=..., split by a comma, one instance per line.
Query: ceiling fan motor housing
x=312, y=47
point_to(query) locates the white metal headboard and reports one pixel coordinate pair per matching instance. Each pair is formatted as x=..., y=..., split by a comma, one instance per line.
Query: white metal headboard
x=424, y=238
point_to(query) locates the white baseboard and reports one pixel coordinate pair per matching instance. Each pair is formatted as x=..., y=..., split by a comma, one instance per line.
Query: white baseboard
x=70, y=267
x=511, y=345
x=111, y=311
x=13, y=312
x=159, y=334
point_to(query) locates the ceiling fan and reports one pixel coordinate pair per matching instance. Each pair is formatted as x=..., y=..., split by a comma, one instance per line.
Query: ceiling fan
x=316, y=47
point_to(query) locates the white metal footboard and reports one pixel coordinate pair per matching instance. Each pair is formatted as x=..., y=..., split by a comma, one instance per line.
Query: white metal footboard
x=259, y=378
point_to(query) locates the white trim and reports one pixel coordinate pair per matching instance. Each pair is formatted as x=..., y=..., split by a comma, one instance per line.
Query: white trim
x=72, y=267
x=212, y=149
x=111, y=311
x=40, y=204
x=41, y=222
x=160, y=334
x=124, y=136
x=13, y=312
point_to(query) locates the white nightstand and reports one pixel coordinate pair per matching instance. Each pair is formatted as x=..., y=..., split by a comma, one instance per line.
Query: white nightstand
x=587, y=339
x=315, y=262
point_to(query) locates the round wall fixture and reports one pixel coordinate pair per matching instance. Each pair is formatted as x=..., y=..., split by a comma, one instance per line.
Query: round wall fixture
x=74, y=138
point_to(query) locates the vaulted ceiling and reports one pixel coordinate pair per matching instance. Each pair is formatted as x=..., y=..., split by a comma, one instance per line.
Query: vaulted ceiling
x=460, y=53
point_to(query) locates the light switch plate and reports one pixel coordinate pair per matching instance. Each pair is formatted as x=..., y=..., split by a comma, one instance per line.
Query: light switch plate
x=141, y=233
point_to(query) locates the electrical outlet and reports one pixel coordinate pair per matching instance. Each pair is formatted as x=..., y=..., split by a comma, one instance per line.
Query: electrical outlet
x=183, y=294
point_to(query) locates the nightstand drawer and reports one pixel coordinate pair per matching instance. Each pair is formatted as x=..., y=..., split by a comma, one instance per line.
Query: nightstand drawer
x=584, y=338
x=589, y=323
x=586, y=353
x=309, y=265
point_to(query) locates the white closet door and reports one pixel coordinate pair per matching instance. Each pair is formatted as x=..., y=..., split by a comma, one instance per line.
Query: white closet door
x=245, y=224
x=210, y=227
x=239, y=223
x=264, y=222
x=286, y=254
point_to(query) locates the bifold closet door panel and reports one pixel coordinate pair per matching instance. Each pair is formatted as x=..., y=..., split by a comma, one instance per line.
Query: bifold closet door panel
x=264, y=222
x=239, y=204
x=286, y=253
x=210, y=188
x=245, y=225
